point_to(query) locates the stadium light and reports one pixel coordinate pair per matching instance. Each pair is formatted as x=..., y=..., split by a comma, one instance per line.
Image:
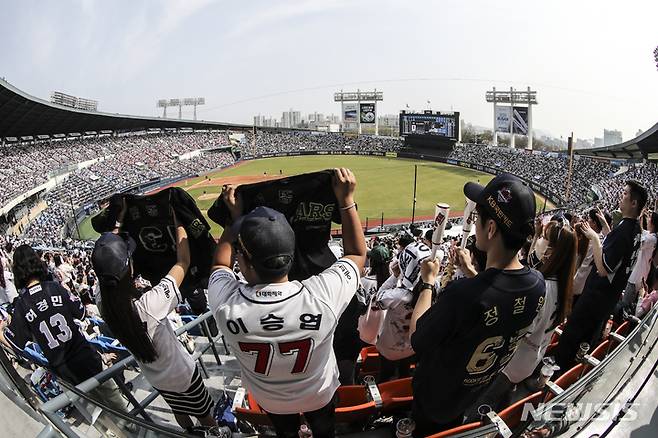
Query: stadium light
x=180, y=103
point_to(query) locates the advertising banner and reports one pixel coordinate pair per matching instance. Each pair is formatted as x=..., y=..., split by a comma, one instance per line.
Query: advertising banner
x=349, y=112
x=367, y=113
x=503, y=118
x=520, y=120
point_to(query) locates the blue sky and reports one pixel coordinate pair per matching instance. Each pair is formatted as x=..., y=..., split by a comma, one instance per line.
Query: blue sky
x=590, y=61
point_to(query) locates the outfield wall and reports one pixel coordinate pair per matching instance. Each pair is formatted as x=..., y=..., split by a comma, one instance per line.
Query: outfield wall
x=536, y=187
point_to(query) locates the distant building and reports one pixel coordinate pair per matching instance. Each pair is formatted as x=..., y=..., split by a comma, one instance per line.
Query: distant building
x=389, y=121
x=291, y=119
x=598, y=142
x=639, y=132
x=611, y=137
x=333, y=119
x=316, y=117
x=259, y=120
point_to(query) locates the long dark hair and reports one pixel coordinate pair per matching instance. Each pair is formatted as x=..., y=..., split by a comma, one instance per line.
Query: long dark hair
x=561, y=263
x=28, y=266
x=121, y=316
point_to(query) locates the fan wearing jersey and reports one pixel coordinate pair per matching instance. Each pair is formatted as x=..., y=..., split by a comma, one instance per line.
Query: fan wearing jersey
x=45, y=312
x=558, y=266
x=396, y=296
x=612, y=264
x=282, y=331
x=140, y=322
x=468, y=336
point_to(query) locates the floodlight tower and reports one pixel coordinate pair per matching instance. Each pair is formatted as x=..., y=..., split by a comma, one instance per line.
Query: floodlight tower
x=180, y=103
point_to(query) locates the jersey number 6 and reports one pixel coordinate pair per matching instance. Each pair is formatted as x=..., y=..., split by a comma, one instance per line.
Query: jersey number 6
x=265, y=352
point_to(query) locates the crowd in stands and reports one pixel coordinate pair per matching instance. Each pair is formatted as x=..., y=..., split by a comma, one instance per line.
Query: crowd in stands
x=548, y=169
x=408, y=310
x=646, y=173
x=270, y=143
x=146, y=158
x=24, y=167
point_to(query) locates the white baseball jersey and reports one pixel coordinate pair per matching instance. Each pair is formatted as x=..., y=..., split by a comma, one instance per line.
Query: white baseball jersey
x=282, y=334
x=174, y=367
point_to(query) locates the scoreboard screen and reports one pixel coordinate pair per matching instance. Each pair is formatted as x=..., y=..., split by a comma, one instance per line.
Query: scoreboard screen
x=443, y=125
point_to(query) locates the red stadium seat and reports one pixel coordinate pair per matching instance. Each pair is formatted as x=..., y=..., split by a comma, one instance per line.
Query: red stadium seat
x=599, y=353
x=253, y=414
x=624, y=329
x=567, y=379
x=353, y=404
x=455, y=430
x=370, y=362
x=512, y=414
x=396, y=395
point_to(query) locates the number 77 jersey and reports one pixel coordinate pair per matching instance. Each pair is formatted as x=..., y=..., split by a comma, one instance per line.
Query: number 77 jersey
x=282, y=334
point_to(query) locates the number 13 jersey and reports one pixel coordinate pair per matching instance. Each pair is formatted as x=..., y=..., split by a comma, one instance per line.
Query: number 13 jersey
x=282, y=334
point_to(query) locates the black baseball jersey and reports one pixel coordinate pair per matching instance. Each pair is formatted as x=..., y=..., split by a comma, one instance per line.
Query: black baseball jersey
x=44, y=314
x=620, y=251
x=466, y=338
x=149, y=221
x=309, y=204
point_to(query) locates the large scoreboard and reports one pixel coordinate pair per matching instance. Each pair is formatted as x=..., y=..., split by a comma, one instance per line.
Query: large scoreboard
x=430, y=125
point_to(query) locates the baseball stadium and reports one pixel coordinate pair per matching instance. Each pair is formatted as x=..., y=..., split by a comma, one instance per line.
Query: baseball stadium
x=353, y=276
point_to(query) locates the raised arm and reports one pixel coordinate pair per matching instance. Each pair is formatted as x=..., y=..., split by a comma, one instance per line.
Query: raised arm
x=597, y=249
x=179, y=270
x=223, y=253
x=354, y=243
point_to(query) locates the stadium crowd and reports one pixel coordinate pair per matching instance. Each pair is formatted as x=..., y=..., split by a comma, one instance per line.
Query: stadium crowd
x=385, y=294
x=548, y=169
x=296, y=141
x=148, y=158
x=24, y=167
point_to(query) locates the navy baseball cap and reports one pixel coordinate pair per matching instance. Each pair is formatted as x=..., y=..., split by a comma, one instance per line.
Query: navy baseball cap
x=111, y=256
x=508, y=201
x=266, y=238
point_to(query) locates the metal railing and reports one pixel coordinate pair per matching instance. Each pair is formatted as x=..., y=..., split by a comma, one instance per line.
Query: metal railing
x=73, y=395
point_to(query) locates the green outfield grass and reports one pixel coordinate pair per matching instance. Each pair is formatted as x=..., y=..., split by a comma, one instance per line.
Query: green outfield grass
x=384, y=185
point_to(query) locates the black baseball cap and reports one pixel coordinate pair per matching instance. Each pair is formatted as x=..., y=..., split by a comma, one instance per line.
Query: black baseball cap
x=111, y=256
x=508, y=201
x=266, y=238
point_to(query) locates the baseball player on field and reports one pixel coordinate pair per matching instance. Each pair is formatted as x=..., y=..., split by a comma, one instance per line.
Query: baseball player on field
x=281, y=331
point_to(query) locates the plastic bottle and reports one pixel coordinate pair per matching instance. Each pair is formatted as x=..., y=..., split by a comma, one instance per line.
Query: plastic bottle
x=305, y=431
x=547, y=370
x=405, y=428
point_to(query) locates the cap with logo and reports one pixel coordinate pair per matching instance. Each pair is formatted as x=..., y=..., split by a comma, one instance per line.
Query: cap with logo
x=111, y=257
x=508, y=201
x=267, y=240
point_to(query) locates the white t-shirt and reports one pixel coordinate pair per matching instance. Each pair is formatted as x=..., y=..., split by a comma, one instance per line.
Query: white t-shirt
x=643, y=262
x=174, y=367
x=282, y=334
x=531, y=349
x=9, y=293
x=393, y=342
x=583, y=271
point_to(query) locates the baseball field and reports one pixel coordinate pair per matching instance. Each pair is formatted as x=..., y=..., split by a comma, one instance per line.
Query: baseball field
x=384, y=185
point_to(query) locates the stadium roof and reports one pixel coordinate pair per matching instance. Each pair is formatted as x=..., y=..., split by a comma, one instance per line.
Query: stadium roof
x=22, y=115
x=644, y=145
